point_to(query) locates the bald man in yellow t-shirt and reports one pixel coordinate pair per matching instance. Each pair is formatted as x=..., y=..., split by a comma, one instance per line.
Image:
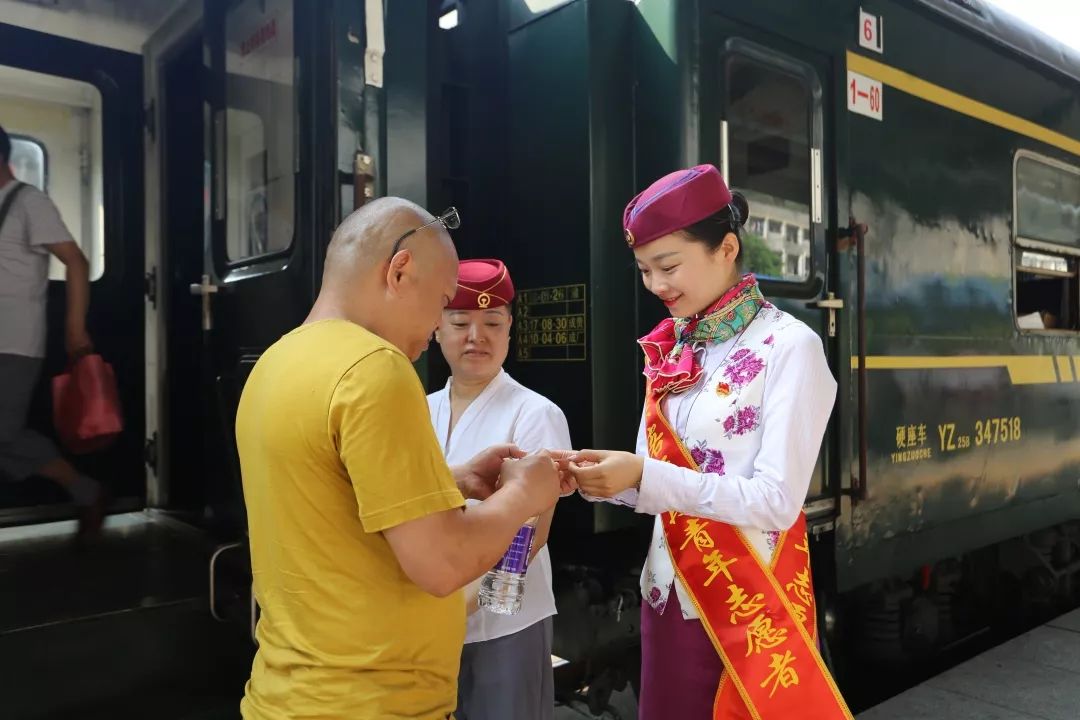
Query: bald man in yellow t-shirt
x=360, y=541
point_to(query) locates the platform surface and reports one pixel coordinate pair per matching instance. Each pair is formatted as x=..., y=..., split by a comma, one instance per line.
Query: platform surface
x=1035, y=676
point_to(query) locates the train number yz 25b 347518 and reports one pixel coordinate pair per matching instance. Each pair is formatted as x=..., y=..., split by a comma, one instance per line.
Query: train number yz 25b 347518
x=991, y=431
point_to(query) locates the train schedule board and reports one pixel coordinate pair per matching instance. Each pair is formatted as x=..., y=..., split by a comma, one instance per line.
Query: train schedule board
x=549, y=324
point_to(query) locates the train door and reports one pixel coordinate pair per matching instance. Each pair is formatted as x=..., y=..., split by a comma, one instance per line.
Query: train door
x=70, y=107
x=235, y=259
x=770, y=97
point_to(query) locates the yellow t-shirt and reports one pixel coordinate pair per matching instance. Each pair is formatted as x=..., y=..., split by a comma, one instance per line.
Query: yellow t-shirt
x=335, y=446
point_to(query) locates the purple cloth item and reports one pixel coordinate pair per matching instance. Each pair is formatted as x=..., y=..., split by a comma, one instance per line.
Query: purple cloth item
x=680, y=668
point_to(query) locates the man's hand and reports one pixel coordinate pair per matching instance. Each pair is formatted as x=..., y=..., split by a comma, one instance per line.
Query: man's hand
x=444, y=551
x=606, y=473
x=535, y=478
x=479, y=477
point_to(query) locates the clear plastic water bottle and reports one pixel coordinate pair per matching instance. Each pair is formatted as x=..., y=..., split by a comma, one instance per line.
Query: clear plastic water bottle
x=503, y=587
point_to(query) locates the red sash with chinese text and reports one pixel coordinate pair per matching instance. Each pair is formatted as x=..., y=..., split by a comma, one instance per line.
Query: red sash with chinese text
x=760, y=618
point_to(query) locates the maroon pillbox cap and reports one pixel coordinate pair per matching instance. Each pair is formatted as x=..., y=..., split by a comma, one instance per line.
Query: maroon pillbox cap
x=482, y=284
x=674, y=202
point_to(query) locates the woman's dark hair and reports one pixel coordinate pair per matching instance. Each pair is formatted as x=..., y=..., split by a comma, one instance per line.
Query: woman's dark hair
x=713, y=229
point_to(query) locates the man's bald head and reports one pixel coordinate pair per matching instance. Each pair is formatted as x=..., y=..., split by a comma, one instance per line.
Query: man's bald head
x=399, y=298
x=367, y=235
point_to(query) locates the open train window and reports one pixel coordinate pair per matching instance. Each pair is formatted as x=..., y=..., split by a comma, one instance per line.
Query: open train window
x=1047, y=253
x=769, y=155
x=1046, y=290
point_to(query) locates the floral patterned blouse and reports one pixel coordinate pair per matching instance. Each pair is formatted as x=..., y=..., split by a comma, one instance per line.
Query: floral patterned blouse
x=754, y=425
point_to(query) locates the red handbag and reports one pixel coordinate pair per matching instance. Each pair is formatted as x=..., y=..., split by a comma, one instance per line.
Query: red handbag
x=86, y=406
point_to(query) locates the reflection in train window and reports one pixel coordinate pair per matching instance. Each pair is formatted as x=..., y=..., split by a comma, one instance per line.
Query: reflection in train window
x=55, y=125
x=260, y=122
x=1047, y=200
x=769, y=125
x=1047, y=216
x=29, y=162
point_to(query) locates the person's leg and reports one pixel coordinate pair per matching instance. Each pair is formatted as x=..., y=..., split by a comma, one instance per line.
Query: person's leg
x=465, y=681
x=547, y=673
x=83, y=490
x=509, y=677
x=24, y=452
x=680, y=668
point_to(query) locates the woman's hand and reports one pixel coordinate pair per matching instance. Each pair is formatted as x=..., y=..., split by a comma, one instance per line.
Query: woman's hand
x=606, y=473
x=567, y=482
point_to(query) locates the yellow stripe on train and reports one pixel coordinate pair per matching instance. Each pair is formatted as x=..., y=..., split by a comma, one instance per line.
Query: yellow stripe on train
x=938, y=95
x=1023, y=369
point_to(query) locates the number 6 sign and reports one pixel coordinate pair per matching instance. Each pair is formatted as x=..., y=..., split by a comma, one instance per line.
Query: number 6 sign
x=870, y=32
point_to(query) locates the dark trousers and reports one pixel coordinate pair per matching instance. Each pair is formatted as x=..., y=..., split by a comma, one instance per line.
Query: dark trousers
x=508, y=677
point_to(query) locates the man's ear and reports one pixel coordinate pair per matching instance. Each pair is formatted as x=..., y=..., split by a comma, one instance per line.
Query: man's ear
x=399, y=265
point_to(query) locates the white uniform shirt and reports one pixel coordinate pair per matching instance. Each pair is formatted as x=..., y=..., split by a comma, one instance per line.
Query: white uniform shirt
x=766, y=472
x=505, y=411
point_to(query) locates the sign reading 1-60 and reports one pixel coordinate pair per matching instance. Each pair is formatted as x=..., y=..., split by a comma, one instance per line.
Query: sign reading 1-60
x=871, y=93
x=864, y=95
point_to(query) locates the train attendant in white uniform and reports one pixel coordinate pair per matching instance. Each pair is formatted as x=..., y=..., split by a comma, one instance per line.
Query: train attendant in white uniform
x=506, y=662
x=738, y=394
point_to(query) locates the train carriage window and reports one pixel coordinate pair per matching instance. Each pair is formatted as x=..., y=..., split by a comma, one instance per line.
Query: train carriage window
x=56, y=129
x=260, y=122
x=769, y=114
x=1047, y=253
x=28, y=161
x=1047, y=200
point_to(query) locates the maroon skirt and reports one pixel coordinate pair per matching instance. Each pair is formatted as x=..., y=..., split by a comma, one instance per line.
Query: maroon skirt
x=680, y=668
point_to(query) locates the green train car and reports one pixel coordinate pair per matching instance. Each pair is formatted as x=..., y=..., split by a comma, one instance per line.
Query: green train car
x=913, y=173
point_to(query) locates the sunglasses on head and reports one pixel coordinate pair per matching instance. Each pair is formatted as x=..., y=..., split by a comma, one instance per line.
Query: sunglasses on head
x=450, y=219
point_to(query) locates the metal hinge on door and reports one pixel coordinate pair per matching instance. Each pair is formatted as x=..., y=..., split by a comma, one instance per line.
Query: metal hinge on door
x=363, y=179
x=150, y=452
x=831, y=303
x=150, y=120
x=150, y=285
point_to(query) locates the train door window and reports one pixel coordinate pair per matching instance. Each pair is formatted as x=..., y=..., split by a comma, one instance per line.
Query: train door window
x=769, y=137
x=260, y=123
x=1047, y=253
x=28, y=161
x=55, y=125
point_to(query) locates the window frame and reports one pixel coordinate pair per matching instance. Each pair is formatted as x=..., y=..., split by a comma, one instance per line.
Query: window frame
x=274, y=261
x=740, y=48
x=1021, y=243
